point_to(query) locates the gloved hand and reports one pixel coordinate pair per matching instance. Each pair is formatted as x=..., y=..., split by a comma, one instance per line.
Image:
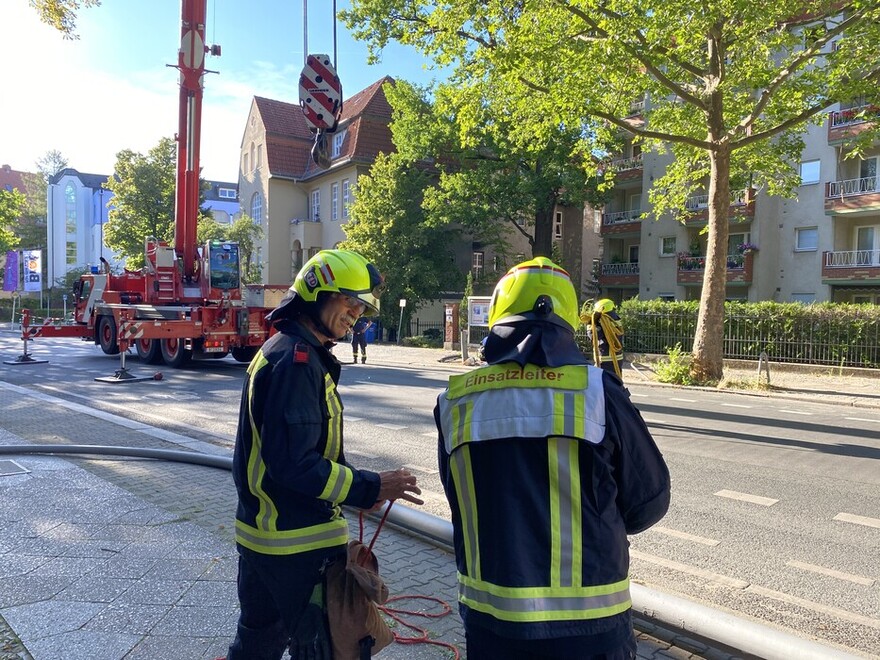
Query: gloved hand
x=311, y=639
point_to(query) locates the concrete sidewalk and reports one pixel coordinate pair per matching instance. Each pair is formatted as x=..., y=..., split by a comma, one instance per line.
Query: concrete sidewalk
x=109, y=558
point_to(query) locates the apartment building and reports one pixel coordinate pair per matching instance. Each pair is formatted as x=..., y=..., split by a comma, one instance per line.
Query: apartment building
x=821, y=245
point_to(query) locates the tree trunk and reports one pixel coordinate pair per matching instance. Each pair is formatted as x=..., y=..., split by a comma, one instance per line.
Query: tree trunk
x=708, y=350
x=543, y=244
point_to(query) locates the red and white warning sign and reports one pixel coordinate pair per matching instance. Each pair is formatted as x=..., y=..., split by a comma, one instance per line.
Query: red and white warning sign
x=320, y=93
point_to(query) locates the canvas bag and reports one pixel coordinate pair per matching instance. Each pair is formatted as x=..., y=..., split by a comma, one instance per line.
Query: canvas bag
x=354, y=588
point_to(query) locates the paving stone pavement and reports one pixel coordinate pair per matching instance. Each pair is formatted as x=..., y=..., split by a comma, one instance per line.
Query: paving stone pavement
x=123, y=558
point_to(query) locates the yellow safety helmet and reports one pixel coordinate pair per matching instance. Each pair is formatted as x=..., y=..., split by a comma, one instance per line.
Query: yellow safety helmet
x=536, y=290
x=603, y=306
x=340, y=271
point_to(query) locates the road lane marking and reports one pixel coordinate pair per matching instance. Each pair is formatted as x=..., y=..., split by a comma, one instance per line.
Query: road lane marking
x=858, y=579
x=685, y=535
x=430, y=435
x=352, y=418
x=746, y=497
x=794, y=412
x=420, y=468
x=816, y=607
x=716, y=578
x=735, y=405
x=860, y=419
x=672, y=398
x=362, y=454
x=858, y=520
x=638, y=394
x=391, y=427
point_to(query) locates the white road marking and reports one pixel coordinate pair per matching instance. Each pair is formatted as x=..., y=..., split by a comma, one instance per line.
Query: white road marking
x=746, y=497
x=816, y=607
x=735, y=405
x=430, y=435
x=716, y=578
x=638, y=394
x=362, y=454
x=352, y=418
x=860, y=419
x=672, y=398
x=420, y=468
x=684, y=535
x=858, y=579
x=794, y=412
x=391, y=427
x=858, y=520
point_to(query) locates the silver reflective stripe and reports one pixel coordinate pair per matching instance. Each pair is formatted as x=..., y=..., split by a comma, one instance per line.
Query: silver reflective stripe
x=564, y=536
x=467, y=506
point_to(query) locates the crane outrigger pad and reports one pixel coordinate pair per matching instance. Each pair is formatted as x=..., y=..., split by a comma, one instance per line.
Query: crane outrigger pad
x=123, y=376
x=25, y=359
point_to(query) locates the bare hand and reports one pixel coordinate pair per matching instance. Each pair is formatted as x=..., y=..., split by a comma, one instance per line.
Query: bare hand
x=398, y=485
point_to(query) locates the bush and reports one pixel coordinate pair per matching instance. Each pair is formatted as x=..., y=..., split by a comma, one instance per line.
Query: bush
x=676, y=368
x=434, y=334
x=422, y=341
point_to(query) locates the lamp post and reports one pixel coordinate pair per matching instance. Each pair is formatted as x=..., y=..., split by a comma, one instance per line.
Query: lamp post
x=400, y=323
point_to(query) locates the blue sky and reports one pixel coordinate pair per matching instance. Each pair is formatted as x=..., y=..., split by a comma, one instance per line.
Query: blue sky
x=110, y=90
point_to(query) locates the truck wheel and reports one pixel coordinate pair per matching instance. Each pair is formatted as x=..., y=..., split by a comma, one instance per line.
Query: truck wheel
x=244, y=353
x=174, y=353
x=106, y=330
x=148, y=350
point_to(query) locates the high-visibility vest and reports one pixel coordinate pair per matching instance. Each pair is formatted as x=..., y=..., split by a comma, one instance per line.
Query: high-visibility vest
x=553, y=576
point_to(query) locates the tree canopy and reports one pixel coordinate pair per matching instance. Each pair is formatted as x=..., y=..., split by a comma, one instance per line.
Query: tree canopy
x=242, y=231
x=61, y=14
x=143, y=200
x=12, y=207
x=729, y=87
x=388, y=226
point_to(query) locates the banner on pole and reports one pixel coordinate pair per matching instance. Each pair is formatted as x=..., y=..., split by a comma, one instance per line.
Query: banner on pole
x=10, y=271
x=33, y=270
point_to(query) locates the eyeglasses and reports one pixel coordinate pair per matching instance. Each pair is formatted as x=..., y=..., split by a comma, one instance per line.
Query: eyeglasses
x=354, y=303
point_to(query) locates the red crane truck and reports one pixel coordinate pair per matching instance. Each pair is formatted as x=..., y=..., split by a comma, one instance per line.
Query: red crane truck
x=187, y=302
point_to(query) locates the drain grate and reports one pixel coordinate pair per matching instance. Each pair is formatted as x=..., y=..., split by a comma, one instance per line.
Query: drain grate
x=11, y=467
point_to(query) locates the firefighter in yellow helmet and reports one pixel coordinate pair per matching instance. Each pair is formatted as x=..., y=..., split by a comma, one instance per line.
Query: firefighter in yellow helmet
x=605, y=332
x=547, y=467
x=289, y=465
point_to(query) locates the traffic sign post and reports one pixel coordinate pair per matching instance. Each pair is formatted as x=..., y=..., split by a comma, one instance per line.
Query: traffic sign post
x=400, y=323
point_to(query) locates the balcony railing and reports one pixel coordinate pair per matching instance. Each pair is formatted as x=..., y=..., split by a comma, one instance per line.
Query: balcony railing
x=622, y=164
x=636, y=108
x=701, y=202
x=734, y=262
x=851, y=187
x=852, y=258
x=621, y=269
x=621, y=217
x=852, y=116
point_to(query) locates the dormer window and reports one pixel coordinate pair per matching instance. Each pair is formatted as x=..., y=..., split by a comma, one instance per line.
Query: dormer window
x=338, y=141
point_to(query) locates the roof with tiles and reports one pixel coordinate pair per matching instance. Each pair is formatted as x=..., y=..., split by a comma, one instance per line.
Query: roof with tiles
x=363, y=124
x=93, y=181
x=11, y=179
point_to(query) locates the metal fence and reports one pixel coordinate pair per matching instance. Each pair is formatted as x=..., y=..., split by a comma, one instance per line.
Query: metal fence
x=808, y=340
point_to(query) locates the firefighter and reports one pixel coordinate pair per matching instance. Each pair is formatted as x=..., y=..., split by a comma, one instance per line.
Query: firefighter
x=605, y=332
x=547, y=467
x=289, y=465
x=359, y=339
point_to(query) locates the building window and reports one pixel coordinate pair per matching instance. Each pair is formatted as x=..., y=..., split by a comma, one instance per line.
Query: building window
x=70, y=209
x=226, y=193
x=338, y=141
x=259, y=257
x=477, y=263
x=634, y=254
x=667, y=246
x=334, y=202
x=557, y=225
x=809, y=172
x=735, y=240
x=806, y=239
x=257, y=208
x=259, y=162
x=346, y=197
x=70, y=250
x=253, y=156
x=666, y=297
x=316, y=206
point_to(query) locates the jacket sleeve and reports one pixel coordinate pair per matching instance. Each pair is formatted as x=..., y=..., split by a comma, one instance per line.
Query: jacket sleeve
x=640, y=472
x=292, y=427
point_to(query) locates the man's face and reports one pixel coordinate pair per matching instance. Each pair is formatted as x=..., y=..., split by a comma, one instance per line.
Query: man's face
x=341, y=312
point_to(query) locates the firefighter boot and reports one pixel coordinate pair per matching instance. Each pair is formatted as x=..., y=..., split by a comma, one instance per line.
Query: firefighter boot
x=364, y=358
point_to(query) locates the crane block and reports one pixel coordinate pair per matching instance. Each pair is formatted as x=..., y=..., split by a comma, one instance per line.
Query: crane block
x=320, y=93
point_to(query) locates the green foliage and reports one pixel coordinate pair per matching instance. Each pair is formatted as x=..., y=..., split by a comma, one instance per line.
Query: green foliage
x=388, y=227
x=12, y=207
x=144, y=201
x=61, y=14
x=675, y=368
x=244, y=232
x=463, y=306
x=422, y=341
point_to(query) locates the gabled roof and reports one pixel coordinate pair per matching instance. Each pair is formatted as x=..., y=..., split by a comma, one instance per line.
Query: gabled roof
x=11, y=179
x=364, y=124
x=93, y=181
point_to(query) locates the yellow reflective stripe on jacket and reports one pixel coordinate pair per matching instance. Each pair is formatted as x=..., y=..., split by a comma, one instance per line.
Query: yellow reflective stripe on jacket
x=463, y=476
x=341, y=477
x=267, y=516
x=565, y=513
x=285, y=542
x=536, y=604
x=490, y=409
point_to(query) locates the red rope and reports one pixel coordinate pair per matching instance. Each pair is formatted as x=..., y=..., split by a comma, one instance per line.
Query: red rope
x=393, y=613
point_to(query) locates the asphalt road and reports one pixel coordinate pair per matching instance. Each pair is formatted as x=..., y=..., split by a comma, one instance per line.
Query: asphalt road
x=776, y=503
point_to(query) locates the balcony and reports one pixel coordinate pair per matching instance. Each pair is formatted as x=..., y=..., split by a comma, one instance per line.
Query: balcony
x=852, y=196
x=626, y=274
x=308, y=231
x=621, y=222
x=742, y=205
x=853, y=266
x=691, y=269
x=849, y=123
x=627, y=169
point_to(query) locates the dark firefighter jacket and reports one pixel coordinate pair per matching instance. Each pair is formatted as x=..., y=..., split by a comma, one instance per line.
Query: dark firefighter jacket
x=547, y=469
x=289, y=466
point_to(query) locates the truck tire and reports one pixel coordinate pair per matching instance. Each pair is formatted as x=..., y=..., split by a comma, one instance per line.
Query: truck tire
x=173, y=352
x=148, y=350
x=244, y=353
x=106, y=330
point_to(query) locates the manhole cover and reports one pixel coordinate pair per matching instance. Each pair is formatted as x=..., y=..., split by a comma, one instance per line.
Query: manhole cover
x=11, y=467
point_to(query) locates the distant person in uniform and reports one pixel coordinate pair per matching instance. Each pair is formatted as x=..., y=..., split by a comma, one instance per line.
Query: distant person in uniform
x=605, y=332
x=359, y=339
